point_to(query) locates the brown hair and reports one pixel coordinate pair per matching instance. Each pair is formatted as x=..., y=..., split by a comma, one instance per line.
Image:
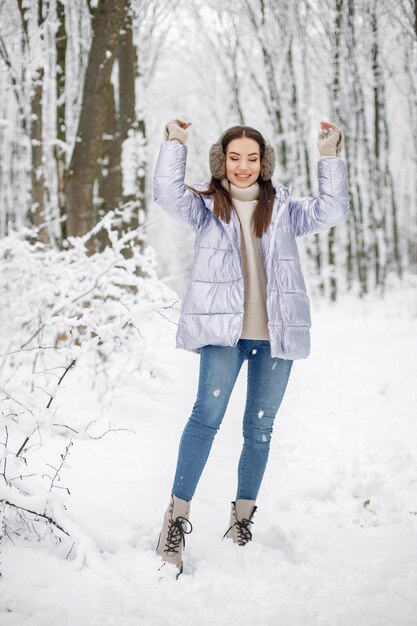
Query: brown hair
x=223, y=205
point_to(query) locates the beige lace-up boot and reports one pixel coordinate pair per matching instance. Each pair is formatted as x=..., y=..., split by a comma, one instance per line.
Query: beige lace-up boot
x=174, y=528
x=240, y=521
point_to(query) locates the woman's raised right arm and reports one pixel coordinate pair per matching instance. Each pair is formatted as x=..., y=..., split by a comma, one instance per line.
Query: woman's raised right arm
x=169, y=190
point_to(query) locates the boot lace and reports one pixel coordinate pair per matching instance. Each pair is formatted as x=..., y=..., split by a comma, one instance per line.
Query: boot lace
x=177, y=530
x=243, y=531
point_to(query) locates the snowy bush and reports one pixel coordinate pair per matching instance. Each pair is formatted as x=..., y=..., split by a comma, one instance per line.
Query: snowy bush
x=64, y=312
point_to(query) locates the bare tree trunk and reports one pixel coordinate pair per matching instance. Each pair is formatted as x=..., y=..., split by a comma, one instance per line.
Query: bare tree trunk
x=376, y=211
x=133, y=133
x=109, y=176
x=106, y=24
x=295, y=123
x=37, y=209
x=127, y=74
x=336, y=93
x=354, y=157
x=111, y=169
x=129, y=125
x=410, y=58
x=61, y=130
x=236, y=81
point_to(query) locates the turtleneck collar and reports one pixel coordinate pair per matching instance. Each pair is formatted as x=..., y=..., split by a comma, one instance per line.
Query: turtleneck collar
x=245, y=195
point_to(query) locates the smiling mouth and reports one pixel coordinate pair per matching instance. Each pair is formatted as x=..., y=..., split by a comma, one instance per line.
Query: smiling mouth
x=242, y=177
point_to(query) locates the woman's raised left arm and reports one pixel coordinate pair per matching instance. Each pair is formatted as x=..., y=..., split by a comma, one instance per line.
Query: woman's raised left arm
x=312, y=214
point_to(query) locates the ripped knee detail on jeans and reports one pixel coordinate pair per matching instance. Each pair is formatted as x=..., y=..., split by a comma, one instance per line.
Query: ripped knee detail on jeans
x=257, y=438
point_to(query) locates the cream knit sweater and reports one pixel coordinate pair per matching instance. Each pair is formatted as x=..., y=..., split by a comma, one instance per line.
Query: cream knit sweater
x=255, y=319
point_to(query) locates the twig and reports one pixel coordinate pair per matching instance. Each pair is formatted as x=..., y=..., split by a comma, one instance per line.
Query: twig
x=169, y=306
x=70, y=550
x=112, y=430
x=48, y=519
x=69, y=428
x=61, y=379
x=6, y=393
x=31, y=349
x=5, y=531
x=49, y=403
x=58, y=469
x=33, y=337
x=85, y=293
x=20, y=477
x=5, y=454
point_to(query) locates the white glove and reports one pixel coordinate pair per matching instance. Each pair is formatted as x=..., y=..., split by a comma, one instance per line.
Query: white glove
x=173, y=130
x=330, y=142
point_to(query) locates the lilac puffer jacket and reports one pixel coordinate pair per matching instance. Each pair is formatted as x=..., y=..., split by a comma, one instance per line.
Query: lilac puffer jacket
x=212, y=306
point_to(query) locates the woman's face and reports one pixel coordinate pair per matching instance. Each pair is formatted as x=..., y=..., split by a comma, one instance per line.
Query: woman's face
x=243, y=161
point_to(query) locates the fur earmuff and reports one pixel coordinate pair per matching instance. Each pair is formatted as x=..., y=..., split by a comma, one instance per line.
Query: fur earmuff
x=217, y=161
x=267, y=163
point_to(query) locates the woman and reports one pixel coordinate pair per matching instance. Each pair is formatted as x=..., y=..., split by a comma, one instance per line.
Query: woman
x=246, y=299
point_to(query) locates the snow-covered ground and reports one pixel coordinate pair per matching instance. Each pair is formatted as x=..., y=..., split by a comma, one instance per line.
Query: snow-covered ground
x=335, y=534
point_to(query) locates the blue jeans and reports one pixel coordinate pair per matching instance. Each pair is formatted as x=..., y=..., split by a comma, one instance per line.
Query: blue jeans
x=219, y=369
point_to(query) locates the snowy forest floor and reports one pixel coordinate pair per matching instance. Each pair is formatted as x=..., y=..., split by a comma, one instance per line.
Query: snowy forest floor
x=335, y=534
